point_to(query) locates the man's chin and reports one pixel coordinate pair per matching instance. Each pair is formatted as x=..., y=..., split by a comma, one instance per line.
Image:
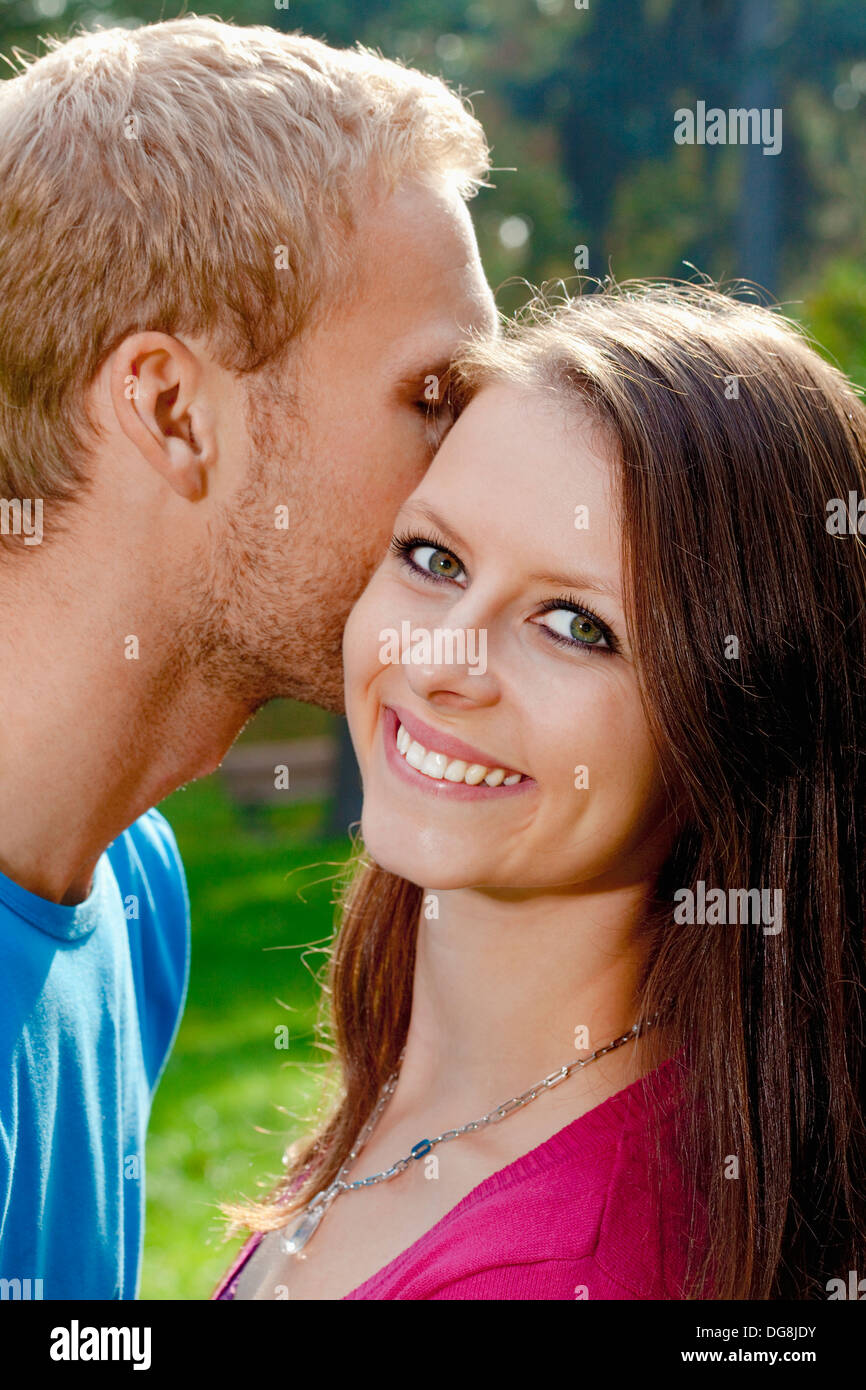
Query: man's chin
x=322, y=689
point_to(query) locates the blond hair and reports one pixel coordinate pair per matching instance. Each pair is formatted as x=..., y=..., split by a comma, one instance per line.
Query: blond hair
x=190, y=177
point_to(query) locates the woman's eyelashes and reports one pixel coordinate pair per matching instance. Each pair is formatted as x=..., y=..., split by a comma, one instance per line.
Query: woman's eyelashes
x=571, y=624
x=427, y=557
x=574, y=625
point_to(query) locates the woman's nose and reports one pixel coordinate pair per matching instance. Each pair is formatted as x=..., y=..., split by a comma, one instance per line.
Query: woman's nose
x=449, y=664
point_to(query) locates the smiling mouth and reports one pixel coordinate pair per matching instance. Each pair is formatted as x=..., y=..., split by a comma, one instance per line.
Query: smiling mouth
x=441, y=768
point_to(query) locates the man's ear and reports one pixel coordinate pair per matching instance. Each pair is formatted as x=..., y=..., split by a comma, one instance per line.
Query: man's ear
x=156, y=386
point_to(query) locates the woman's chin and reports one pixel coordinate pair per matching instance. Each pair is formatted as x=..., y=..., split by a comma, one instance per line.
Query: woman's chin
x=400, y=853
x=424, y=873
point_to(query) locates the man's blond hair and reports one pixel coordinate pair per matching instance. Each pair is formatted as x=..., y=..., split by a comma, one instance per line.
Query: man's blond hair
x=191, y=177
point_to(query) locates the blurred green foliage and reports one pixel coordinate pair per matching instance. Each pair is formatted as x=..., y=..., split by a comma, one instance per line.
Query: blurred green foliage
x=834, y=310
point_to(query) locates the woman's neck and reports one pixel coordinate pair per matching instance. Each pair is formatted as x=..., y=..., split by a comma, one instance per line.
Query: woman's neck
x=508, y=990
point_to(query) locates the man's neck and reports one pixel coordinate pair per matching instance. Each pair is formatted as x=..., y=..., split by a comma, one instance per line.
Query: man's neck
x=92, y=737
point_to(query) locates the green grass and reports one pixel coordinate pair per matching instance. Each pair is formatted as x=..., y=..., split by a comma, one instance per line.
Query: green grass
x=230, y=1100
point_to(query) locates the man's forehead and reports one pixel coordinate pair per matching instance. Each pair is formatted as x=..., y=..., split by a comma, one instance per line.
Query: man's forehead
x=419, y=245
x=418, y=287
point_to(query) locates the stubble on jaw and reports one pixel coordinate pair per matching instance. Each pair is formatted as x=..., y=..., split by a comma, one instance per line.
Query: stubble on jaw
x=260, y=627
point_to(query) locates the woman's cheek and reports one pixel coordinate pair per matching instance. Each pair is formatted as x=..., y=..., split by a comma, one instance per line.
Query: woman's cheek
x=638, y=795
x=361, y=644
x=610, y=771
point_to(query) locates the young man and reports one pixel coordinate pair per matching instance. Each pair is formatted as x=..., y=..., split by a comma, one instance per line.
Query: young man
x=233, y=264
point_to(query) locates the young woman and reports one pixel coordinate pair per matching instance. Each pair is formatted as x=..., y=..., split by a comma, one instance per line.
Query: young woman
x=614, y=840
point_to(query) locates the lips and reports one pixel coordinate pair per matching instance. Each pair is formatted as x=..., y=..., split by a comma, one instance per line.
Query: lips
x=443, y=750
x=452, y=747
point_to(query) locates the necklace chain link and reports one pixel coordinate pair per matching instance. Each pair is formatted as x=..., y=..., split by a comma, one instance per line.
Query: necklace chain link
x=315, y=1209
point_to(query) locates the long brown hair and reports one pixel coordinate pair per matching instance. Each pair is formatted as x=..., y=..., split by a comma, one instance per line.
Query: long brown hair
x=746, y=618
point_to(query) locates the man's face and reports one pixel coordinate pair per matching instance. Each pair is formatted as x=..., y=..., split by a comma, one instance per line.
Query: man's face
x=357, y=440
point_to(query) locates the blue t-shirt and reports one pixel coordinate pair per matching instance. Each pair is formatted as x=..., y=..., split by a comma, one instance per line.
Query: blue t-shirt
x=90, y=1001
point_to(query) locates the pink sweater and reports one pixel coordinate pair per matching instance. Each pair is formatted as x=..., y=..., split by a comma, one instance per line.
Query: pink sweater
x=573, y=1218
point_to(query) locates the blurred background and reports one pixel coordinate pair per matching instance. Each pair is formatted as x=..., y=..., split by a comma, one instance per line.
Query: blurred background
x=578, y=100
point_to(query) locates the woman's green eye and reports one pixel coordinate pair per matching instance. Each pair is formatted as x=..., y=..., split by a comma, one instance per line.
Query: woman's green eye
x=439, y=562
x=577, y=628
x=585, y=630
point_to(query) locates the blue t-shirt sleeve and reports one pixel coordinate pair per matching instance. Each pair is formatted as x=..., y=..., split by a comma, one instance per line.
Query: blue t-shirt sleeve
x=149, y=872
x=91, y=997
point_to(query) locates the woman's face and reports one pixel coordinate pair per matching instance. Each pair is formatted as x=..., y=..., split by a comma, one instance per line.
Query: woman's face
x=497, y=638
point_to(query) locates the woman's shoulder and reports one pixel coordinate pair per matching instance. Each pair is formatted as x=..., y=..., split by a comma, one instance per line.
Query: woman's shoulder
x=652, y=1222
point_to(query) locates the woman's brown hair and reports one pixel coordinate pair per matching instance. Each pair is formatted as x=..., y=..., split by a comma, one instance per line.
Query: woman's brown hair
x=746, y=618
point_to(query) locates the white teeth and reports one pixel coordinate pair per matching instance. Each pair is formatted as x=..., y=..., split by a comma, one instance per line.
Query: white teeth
x=415, y=755
x=440, y=767
x=434, y=765
x=475, y=773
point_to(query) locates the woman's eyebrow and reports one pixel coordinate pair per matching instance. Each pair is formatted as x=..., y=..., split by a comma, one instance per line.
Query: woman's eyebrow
x=576, y=580
x=579, y=580
x=435, y=520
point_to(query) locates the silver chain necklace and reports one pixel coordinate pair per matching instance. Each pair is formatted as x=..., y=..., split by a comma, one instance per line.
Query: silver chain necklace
x=315, y=1209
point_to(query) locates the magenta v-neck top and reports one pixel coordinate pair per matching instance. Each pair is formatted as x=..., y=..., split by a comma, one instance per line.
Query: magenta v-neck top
x=576, y=1217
